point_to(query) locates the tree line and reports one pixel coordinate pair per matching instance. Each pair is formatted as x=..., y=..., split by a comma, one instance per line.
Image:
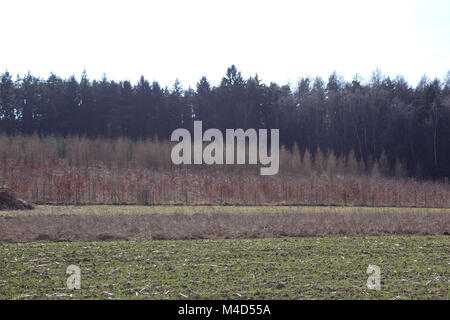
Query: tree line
x=380, y=118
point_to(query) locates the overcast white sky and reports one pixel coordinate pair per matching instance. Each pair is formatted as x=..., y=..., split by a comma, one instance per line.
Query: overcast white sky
x=280, y=40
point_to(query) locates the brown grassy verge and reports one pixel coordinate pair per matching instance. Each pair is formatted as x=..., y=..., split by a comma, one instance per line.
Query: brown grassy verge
x=209, y=209
x=91, y=227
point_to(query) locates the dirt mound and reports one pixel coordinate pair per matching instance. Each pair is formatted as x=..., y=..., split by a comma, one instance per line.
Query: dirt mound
x=9, y=201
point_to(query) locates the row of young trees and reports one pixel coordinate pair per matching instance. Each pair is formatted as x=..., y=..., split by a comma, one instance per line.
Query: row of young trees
x=382, y=116
x=32, y=151
x=79, y=170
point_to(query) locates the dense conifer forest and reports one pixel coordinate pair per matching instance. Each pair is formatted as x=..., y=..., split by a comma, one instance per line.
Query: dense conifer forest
x=378, y=120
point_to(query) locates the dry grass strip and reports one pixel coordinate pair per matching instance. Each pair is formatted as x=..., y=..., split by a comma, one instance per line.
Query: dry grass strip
x=93, y=227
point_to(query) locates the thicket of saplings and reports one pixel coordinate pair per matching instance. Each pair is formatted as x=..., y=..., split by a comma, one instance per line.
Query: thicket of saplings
x=77, y=170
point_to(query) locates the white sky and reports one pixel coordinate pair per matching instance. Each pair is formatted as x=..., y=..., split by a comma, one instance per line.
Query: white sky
x=280, y=40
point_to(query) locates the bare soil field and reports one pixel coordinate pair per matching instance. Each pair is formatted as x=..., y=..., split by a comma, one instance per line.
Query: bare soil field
x=107, y=223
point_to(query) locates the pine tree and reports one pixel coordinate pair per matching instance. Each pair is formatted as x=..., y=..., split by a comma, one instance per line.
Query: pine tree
x=295, y=160
x=375, y=172
x=318, y=161
x=331, y=164
x=399, y=169
x=306, y=163
x=384, y=164
x=352, y=166
x=7, y=104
